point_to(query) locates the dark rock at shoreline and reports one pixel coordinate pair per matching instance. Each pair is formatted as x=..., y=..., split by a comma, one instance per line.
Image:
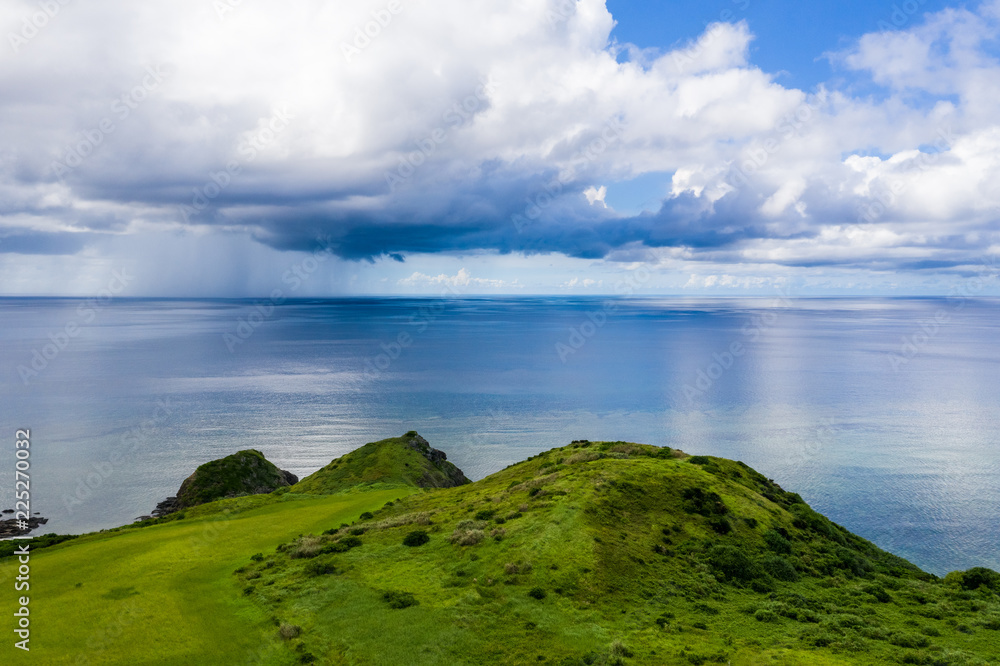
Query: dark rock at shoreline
x=9, y=528
x=168, y=505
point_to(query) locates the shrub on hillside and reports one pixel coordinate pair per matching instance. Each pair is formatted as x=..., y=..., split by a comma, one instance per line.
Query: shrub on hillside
x=419, y=518
x=975, y=578
x=878, y=592
x=289, y=631
x=343, y=545
x=851, y=561
x=537, y=593
x=320, y=567
x=512, y=569
x=367, y=515
x=416, y=538
x=583, y=456
x=466, y=537
x=307, y=547
x=706, y=609
x=399, y=599
x=706, y=504
x=485, y=514
x=720, y=525
x=778, y=543
x=780, y=568
x=733, y=564
x=618, y=650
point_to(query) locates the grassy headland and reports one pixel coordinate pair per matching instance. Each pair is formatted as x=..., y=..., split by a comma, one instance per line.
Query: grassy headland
x=594, y=553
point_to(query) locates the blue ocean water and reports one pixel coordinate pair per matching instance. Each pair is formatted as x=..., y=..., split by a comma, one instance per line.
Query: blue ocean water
x=881, y=413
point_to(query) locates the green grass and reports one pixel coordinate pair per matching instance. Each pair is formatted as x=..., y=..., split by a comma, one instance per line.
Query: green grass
x=596, y=553
x=165, y=594
x=624, y=554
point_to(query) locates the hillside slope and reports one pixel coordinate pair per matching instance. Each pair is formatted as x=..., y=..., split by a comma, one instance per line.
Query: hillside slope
x=400, y=461
x=607, y=553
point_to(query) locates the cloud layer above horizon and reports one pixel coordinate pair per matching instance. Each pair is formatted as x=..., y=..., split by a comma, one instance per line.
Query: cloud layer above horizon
x=386, y=130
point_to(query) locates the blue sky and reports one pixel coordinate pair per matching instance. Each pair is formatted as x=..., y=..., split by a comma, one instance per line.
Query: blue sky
x=790, y=37
x=540, y=146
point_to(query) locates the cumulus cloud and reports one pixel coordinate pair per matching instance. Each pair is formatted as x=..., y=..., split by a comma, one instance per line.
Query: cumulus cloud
x=450, y=127
x=596, y=195
x=746, y=282
x=586, y=283
x=462, y=279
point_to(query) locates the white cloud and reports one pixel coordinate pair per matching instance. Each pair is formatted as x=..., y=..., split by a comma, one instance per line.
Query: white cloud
x=733, y=282
x=462, y=279
x=596, y=195
x=475, y=108
x=586, y=283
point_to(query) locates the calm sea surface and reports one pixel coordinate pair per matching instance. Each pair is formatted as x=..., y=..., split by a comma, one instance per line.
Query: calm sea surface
x=883, y=414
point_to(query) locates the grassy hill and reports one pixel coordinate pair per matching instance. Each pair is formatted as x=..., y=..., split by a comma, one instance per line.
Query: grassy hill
x=407, y=461
x=594, y=553
x=243, y=473
x=615, y=553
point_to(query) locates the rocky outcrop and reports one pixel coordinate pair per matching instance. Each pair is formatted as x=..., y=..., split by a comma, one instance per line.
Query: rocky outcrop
x=243, y=473
x=12, y=528
x=437, y=458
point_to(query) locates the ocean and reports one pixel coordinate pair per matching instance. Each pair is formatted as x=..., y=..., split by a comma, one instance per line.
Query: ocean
x=881, y=413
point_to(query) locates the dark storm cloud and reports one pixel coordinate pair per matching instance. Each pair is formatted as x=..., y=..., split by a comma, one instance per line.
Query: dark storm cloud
x=35, y=242
x=125, y=117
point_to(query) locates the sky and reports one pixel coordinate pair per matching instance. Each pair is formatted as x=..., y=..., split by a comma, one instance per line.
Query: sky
x=223, y=148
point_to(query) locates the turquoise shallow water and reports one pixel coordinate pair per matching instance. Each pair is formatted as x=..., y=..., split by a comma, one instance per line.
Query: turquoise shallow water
x=882, y=413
